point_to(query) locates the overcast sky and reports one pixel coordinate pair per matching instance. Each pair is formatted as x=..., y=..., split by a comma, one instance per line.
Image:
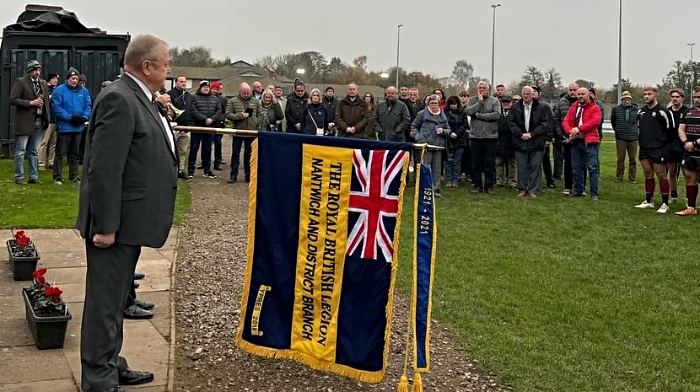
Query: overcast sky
x=578, y=38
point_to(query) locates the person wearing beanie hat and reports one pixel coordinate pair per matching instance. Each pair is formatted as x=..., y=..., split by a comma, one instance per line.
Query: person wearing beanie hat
x=623, y=119
x=206, y=112
x=30, y=100
x=71, y=106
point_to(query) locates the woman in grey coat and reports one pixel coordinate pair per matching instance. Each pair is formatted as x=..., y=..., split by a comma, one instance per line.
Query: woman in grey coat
x=431, y=126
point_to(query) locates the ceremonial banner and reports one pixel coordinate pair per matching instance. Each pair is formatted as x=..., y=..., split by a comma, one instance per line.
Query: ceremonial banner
x=323, y=230
x=425, y=235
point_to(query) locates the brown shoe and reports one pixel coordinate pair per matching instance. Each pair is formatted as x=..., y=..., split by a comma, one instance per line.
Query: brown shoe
x=476, y=190
x=490, y=191
x=533, y=195
x=522, y=194
x=20, y=181
x=687, y=212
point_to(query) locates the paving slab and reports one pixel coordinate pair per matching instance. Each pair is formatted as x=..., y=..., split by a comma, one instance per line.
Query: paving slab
x=147, y=343
x=41, y=386
x=69, y=259
x=26, y=360
x=62, y=240
x=14, y=330
x=161, y=313
x=64, y=276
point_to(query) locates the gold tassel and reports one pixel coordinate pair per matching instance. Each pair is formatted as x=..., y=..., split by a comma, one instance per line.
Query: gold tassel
x=403, y=384
x=417, y=383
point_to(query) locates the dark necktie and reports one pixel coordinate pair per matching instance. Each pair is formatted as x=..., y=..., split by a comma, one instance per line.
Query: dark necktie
x=159, y=108
x=37, y=88
x=579, y=114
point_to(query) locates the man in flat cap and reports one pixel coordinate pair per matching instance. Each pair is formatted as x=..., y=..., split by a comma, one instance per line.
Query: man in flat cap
x=30, y=102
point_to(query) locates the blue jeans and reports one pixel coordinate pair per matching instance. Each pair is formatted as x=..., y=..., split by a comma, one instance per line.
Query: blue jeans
x=454, y=168
x=30, y=143
x=585, y=157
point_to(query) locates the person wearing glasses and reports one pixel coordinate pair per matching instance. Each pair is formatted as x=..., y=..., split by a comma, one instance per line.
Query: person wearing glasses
x=296, y=107
x=623, y=119
x=675, y=152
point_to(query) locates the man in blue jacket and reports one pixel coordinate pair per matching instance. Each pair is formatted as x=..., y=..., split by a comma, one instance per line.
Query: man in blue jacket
x=70, y=106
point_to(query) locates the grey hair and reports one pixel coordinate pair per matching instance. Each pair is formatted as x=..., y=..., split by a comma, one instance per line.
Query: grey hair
x=484, y=83
x=433, y=97
x=142, y=48
x=527, y=88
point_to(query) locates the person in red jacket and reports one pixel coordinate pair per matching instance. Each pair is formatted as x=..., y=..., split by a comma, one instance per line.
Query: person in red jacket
x=581, y=126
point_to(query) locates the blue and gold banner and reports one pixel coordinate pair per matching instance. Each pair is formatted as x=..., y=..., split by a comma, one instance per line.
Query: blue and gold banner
x=323, y=230
x=425, y=235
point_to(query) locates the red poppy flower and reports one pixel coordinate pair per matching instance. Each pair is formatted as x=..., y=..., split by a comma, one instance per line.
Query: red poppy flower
x=39, y=272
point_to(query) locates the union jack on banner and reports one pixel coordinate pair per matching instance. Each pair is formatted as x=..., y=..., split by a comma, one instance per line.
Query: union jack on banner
x=374, y=203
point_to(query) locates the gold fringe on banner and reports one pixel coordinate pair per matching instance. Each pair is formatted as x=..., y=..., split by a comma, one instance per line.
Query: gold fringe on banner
x=417, y=383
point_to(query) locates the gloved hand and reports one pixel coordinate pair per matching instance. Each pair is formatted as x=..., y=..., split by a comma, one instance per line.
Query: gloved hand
x=76, y=120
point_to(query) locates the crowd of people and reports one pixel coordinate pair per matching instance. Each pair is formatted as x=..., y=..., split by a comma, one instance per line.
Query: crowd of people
x=489, y=141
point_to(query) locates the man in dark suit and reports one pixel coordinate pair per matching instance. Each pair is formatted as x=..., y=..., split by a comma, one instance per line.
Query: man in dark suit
x=127, y=199
x=31, y=105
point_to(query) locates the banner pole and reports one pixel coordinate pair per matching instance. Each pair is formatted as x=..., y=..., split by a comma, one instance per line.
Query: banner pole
x=249, y=133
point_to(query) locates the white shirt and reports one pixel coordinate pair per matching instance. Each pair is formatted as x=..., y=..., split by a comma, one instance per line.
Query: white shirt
x=527, y=108
x=164, y=120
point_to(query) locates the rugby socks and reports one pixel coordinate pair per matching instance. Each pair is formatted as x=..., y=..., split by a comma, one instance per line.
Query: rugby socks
x=692, y=192
x=674, y=193
x=649, y=186
x=663, y=185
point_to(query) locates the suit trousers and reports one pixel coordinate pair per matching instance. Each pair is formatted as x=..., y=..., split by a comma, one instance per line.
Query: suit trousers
x=67, y=145
x=529, y=173
x=110, y=276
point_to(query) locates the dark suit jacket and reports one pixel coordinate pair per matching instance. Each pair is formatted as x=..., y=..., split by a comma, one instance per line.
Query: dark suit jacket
x=130, y=170
x=24, y=115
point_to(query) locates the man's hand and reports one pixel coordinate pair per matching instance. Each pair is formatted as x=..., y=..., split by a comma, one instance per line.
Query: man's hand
x=350, y=130
x=481, y=97
x=163, y=99
x=208, y=121
x=36, y=102
x=689, y=146
x=297, y=126
x=246, y=115
x=439, y=131
x=103, y=240
x=453, y=135
x=526, y=136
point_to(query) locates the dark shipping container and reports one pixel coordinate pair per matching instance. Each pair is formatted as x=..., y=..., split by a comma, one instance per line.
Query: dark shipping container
x=93, y=52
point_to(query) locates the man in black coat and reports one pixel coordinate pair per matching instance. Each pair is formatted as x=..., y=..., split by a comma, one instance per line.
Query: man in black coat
x=127, y=200
x=529, y=121
x=505, y=156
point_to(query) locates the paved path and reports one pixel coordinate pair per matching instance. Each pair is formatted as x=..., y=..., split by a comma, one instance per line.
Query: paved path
x=147, y=344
